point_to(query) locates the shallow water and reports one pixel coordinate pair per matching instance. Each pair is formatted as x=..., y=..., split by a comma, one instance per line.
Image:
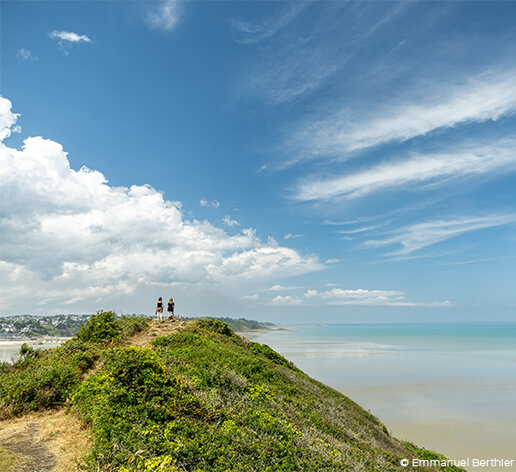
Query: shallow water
x=10, y=350
x=448, y=387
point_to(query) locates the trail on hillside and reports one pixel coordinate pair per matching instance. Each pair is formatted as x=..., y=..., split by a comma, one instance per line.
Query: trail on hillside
x=33, y=454
x=155, y=330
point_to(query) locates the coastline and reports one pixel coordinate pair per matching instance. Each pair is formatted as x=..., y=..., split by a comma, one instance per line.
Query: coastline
x=445, y=390
x=30, y=341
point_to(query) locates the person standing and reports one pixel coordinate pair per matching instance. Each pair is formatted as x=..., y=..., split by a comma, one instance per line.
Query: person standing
x=170, y=309
x=159, y=309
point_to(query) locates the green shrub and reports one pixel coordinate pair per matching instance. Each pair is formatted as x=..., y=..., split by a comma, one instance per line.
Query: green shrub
x=266, y=351
x=43, y=379
x=128, y=403
x=211, y=325
x=100, y=327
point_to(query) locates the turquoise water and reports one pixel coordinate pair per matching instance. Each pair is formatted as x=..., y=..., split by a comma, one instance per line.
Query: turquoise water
x=449, y=387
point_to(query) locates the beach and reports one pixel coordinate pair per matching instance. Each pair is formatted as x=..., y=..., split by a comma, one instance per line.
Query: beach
x=447, y=387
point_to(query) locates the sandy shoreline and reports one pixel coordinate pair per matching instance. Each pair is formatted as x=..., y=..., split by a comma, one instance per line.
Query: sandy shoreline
x=453, y=394
x=15, y=342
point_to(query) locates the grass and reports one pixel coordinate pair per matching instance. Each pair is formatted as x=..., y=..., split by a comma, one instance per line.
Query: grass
x=7, y=460
x=201, y=399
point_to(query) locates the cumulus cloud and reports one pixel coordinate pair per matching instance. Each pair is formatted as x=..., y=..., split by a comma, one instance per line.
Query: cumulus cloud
x=228, y=221
x=7, y=119
x=71, y=236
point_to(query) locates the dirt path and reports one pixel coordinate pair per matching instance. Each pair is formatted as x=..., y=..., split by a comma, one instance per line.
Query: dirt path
x=32, y=454
x=44, y=442
x=155, y=330
x=51, y=441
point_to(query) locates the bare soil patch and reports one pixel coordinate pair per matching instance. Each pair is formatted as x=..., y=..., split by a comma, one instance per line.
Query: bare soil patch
x=155, y=330
x=44, y=442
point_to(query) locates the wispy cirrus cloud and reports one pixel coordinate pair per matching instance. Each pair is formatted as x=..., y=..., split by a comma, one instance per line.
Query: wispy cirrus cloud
x=414, y=237
x=299, y=65
x=482, y=98
x=353, y=297
x=280, y=288
x=248, y=32
x=338, y=296
x=286, y=300
x=292, y=236
x=165, y=15
x=468, y=159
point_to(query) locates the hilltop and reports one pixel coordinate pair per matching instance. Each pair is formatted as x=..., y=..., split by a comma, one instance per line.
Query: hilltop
x=132, y=394
x=58, y=326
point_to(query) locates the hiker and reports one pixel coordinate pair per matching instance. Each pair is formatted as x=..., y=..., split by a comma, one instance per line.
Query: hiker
x=159, y=309
x=170, y=309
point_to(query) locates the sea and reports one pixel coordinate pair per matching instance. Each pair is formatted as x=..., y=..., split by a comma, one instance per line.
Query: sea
x=449, y=387
x=10, y=350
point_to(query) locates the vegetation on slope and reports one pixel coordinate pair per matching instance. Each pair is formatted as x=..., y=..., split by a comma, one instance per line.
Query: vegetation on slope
x=201, y=399
x=44, y=379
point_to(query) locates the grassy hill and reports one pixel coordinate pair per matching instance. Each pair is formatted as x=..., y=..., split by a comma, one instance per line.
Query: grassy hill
x=196, y=397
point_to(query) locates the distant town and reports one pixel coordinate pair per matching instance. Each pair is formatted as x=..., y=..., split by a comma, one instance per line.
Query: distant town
x=66, y=325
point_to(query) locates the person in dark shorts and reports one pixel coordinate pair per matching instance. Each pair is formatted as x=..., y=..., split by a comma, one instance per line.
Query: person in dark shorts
x=170, y=309
x=159, y=309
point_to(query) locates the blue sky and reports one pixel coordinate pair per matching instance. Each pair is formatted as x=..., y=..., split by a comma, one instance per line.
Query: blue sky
x=289, y=161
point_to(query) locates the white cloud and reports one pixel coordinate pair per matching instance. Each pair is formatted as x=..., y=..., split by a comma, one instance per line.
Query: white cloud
x=165, y=15
x=286, y=300
x=206, y=203
x=25, y=55
x=70, y=36
x=70, y=236
x=361, y=229
x=332, y=261
x=7, y=119
x=338, y=296
x=281, y=288
x=298, y=65
x=418, y=236
x=487, y=97
x=292, y=236
x=228, y=221
x=255, y=32
x=469, y=159
x=66, y=39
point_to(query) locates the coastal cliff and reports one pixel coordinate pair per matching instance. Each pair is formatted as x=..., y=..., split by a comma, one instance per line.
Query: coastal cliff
x=186, y=396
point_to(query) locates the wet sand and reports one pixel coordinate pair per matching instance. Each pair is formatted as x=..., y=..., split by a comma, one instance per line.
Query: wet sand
x=448, y=395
